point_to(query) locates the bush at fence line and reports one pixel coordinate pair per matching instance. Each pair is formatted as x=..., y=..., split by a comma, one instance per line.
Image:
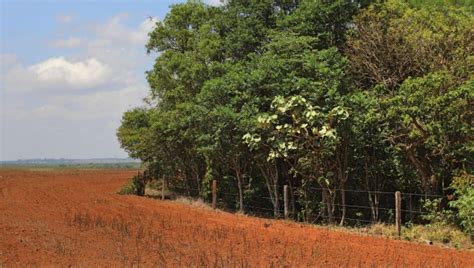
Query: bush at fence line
x=437, y=233
x=128, y=188
x=135, y=185
x=433, y=233
x=436, y=213
x=464, y=204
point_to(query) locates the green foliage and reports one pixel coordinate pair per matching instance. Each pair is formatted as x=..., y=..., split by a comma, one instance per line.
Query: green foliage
x=135, y=186
x=465, y=205
x=420, y=100
x=437, y=234
x=438, y=3
x=423, y=120
x=391, y=42
x=367, y=95
x=297, y=129
x=129, y=188
x=324, y=20
x=135, y=124
x=464, y=191
x=435, y=213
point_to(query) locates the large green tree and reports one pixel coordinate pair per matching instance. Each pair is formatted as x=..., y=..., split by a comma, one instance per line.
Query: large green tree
x=326, y=97
x=417, y=63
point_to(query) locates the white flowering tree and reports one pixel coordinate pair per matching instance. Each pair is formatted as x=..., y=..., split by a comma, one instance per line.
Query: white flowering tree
x=305, y=136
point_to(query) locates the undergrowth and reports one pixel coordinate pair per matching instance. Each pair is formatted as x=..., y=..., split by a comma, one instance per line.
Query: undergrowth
x=128, y=188
x=433, y=234
x=447, y=235
x=198, y=203
x=135, y=186
x=440, y=232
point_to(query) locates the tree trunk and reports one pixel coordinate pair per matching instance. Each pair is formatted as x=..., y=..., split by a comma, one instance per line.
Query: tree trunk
x=236, y=165
x=429, y=180
x=329, y=204
x=342, y=159
x=343, y=200
x=276, y=206
x=270, y=174
x=374, y=206
x=306, y=214
x=198, y=182
x=372, y=197
x=195, y=171
x=292, y=198
x=376, y=202
x=241, y=192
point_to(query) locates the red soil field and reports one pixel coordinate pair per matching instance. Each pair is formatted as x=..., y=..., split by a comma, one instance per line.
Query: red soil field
x=74, y=217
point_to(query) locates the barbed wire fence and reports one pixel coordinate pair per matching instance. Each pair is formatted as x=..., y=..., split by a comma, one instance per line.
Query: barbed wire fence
x=347, y=206
x=361, y=207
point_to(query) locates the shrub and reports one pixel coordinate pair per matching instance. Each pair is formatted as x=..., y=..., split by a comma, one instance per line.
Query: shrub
x=135, y=185
x=128, y=188
x=437, y=233
x=436, y=213
x=464, y=203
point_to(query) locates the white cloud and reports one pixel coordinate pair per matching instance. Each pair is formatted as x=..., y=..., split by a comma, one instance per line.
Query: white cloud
x=65, y=18
x=111, y=56
x=81, y=126
x=74, y=103
x=70, y=42
x=56, y=74
x=7, y=61
x=47, y=111
x=115, y=30
x=103, y=104
x=83, y=74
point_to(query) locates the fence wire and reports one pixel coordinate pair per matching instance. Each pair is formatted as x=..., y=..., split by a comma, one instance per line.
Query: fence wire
x=357, y=206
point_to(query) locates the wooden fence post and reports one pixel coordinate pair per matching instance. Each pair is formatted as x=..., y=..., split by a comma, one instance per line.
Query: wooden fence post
x=285, y=200
x=214, y=194
x=398, y=212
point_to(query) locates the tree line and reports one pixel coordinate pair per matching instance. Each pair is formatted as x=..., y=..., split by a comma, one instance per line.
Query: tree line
x=334, y=95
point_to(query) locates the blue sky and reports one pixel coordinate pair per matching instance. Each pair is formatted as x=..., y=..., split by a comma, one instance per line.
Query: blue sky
x=40, y=21
x=68, y=71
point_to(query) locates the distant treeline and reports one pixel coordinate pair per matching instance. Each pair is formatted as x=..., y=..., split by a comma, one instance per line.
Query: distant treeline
x=375, y=96
x=131, y=165
x=80, y=163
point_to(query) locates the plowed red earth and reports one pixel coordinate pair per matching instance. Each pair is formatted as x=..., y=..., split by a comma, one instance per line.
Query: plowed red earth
x=75, y=217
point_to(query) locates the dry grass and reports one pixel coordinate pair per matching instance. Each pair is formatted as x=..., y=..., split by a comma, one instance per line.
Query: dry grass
x=132, y=238
x=197, y=203
x=436, y=234
x=82, y=222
